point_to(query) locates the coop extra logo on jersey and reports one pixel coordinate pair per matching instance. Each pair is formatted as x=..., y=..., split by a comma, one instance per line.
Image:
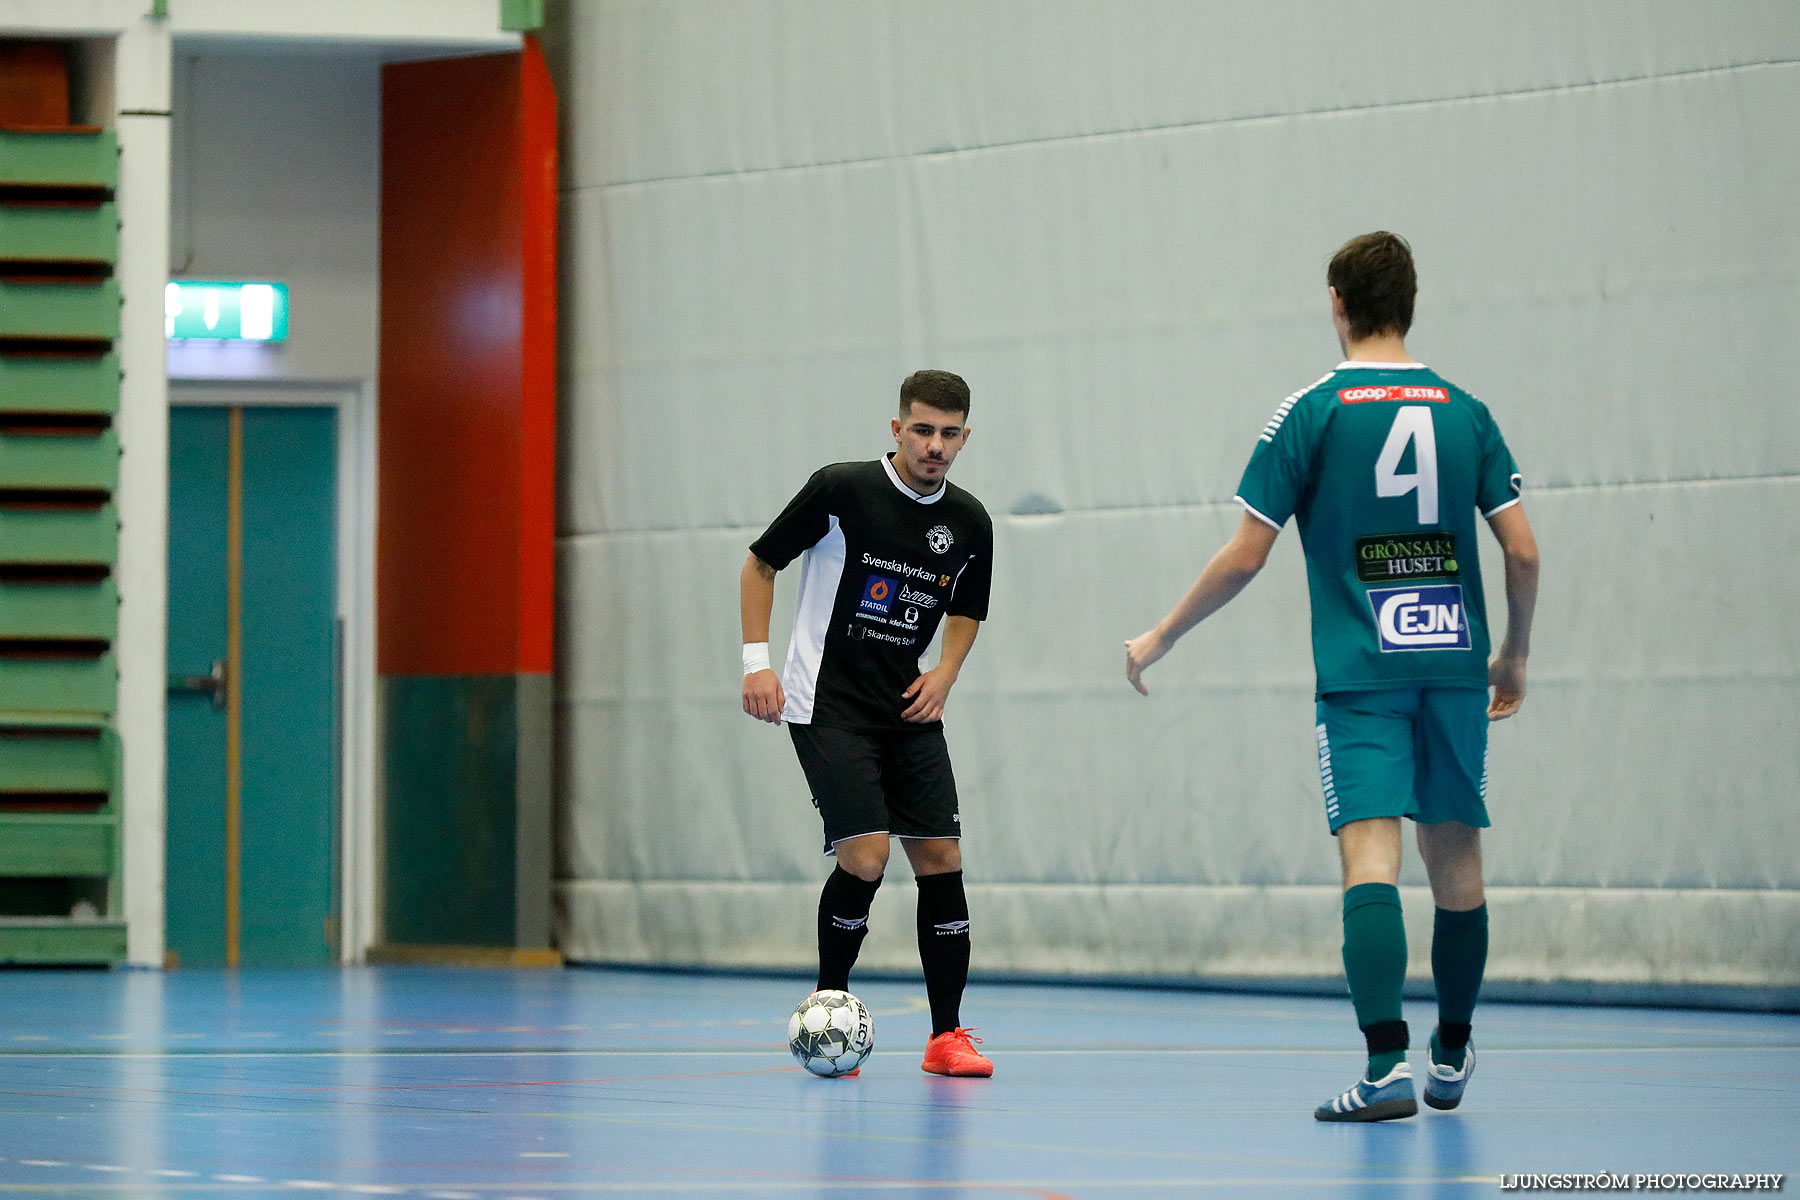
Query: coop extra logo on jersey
x=1421, y=618
x=1411, y=391
x=1386, y=558
x=878, y=594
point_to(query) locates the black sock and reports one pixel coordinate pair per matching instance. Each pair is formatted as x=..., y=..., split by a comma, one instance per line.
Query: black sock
x=944, y=946
x=1386, y=1041
x=843, y=923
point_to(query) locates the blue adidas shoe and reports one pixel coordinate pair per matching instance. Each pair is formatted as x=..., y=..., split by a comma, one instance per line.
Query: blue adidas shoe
x=1384, y=1099
x=1443, y=1083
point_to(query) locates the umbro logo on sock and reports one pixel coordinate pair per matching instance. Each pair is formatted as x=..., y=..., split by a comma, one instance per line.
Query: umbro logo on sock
x=854, y=922
x=951, y=928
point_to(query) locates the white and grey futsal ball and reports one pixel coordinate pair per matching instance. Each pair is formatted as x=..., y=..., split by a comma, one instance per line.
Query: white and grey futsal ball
x=831, y=1033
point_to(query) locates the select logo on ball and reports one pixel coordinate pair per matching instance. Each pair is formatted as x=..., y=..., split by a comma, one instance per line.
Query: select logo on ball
x=831, y=1033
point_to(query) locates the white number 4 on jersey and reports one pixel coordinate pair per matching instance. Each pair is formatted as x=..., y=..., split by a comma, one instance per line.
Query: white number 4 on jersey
x=1411, y=424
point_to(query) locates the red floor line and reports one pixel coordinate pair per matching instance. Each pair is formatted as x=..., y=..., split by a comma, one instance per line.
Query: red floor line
x=391, y=1087
x=427, y=1087
x=1011, y=1189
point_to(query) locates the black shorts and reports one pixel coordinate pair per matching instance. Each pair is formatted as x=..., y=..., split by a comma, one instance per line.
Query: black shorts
x=894, y=781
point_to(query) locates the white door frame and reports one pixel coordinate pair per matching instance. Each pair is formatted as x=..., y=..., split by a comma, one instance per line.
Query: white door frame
x=355, y=609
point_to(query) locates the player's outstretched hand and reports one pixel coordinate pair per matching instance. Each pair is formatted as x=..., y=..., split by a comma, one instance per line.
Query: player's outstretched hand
x=928, y=693
x=1507, y=677
x=763, y=697
x=1140, y=652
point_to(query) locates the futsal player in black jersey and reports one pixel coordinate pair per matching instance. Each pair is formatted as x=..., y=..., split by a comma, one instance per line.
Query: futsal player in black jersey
x=888, y=549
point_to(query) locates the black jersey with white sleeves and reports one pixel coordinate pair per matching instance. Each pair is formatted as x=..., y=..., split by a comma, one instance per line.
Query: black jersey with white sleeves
x=881, y=565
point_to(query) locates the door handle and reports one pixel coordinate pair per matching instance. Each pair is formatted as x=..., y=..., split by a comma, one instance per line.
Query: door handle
x=212, y=683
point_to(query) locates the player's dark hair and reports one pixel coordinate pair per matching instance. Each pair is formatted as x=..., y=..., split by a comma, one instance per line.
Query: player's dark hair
x=935, y=389
x=1374, y=276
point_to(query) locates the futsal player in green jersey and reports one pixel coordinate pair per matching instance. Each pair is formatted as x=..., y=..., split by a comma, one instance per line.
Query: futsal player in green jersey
x=1385, y=463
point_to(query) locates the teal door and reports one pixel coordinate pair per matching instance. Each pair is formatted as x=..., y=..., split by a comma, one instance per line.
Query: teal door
x=252, y=794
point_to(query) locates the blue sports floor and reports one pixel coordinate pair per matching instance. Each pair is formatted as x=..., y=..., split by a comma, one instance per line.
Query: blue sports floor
x=441, y=1083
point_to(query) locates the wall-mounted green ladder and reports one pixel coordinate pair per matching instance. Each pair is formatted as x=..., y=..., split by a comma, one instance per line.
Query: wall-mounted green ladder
x=61, y=843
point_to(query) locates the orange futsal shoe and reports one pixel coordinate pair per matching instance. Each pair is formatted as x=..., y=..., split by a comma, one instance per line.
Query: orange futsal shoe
x=951, y=1054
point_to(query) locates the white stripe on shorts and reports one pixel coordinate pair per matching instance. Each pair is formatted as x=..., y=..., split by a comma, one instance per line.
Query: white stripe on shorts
x=1325, y=779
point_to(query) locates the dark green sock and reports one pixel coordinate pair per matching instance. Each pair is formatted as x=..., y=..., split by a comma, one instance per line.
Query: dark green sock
x=1375, y=962
x=1459, y=943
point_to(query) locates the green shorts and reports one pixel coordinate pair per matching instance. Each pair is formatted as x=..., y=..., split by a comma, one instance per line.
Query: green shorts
x=1404, y=752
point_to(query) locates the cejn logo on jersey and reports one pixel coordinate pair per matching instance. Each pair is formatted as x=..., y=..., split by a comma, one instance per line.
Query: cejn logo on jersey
x=1411, y=391
x=939, y=539
x=878, y=594
x=1421, y=618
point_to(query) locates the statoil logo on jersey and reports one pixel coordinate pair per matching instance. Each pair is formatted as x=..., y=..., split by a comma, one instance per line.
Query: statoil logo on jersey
x=1421, y=618
x=878, y=594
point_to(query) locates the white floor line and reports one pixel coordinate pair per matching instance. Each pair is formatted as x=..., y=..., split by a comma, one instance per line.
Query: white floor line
x=839, y=1186
x=774, y=1049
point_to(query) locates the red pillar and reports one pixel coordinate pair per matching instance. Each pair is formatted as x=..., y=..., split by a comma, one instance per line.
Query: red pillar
x=465, y=543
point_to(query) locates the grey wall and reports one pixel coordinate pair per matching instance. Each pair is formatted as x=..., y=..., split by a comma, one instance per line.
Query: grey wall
x=1112, y=218
x=276, y=175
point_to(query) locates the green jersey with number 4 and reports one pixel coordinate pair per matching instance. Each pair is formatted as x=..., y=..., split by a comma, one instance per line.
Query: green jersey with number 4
x=1385, y=465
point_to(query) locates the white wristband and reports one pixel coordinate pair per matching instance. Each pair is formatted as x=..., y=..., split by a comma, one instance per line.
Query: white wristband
x=756, y=657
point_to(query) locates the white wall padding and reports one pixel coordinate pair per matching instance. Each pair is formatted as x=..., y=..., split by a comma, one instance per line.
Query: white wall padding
x=1112, y=218
x=1192, y=933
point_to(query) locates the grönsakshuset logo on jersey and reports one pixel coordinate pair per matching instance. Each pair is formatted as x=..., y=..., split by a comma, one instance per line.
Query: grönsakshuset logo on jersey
x=1414, y=557
x=1431, y=617
x=939, y=539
